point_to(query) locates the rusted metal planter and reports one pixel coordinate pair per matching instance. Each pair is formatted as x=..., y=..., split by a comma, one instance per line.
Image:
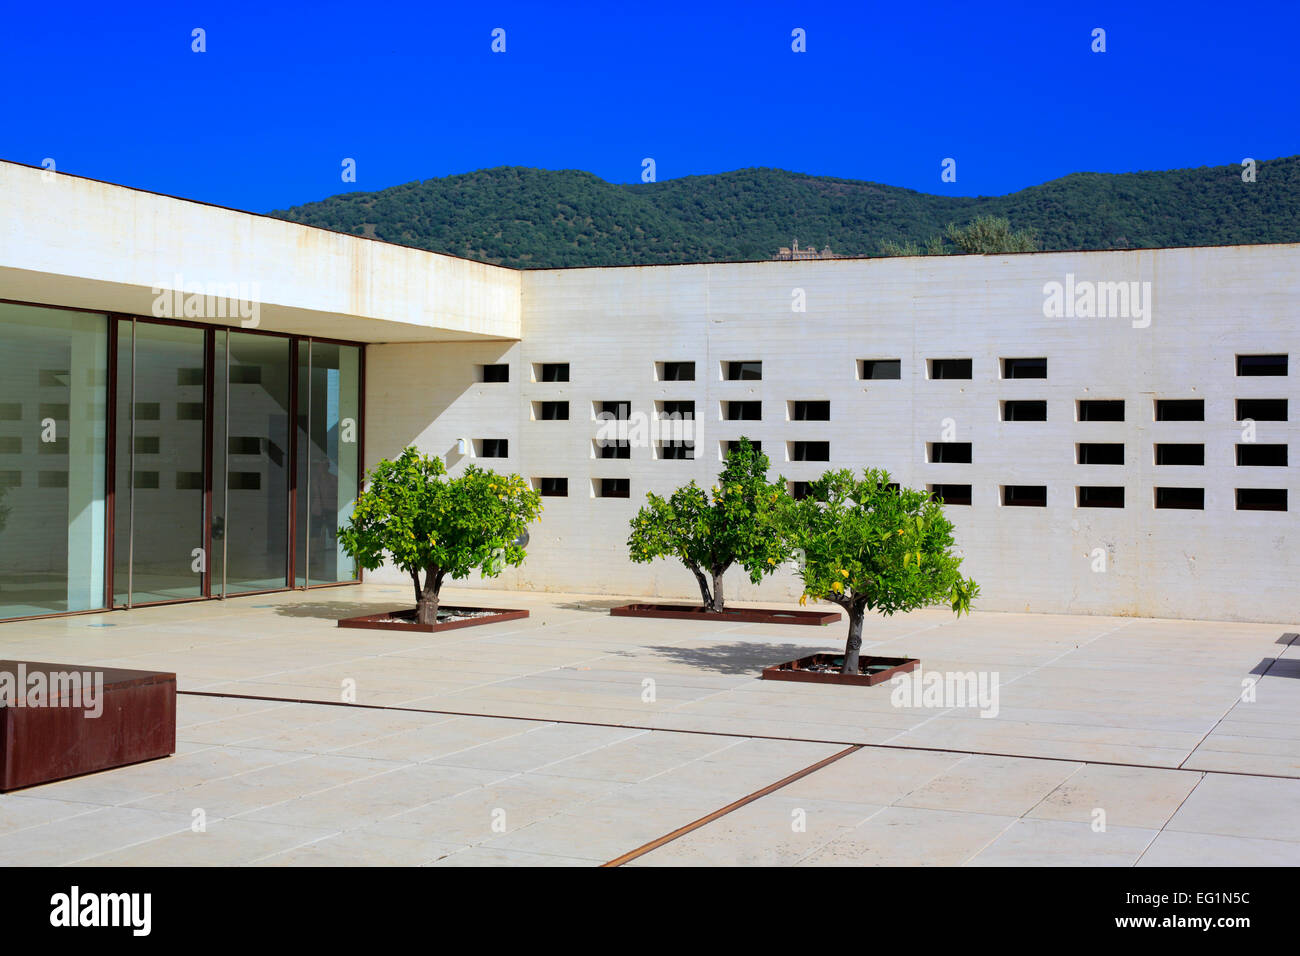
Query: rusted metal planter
x=871, y=670
x=381, y=622
x=740, y=615
x=38, y=744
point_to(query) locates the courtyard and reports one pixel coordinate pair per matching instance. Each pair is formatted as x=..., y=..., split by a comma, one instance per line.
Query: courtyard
x=575, y=738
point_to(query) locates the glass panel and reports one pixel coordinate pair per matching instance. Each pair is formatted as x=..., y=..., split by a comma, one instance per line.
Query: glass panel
x=156, y=556
x=53, y=425
x=329, y=379
x=255, y=432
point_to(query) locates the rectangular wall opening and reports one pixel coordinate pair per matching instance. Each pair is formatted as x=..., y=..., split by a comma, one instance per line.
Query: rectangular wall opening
x=1188, y=499
x=675, y=371
x=1024, y=411
x=551, y=411
x=1024, y=368
x=1262, y=456
x=950, y=368
x=814, y=411
x=810, y=450
x=1261, y=365
x=951, y=494
x=552, y=487
x=949, y=452
x=612, y=487
x=1180, y=454
x=1100, y=409
x=550, y=371
x=1100, y=453
x=1180, y=409
x=1024, y=496
x=880, y=369
x=1100, y=496
x=1262, y=409
x=742, y=411
x=747, y=371
x=1261, y=499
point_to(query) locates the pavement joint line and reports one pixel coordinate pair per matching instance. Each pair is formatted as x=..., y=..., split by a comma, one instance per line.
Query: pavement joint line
x=1169, y=819
x=729, y=808
x=1233, y=706
x=729, y=733
x=896, y=802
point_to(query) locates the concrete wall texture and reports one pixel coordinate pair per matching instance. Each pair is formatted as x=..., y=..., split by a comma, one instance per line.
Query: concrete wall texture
x=1179, y=340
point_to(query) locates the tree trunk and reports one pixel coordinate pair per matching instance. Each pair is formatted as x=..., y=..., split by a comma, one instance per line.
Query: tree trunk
x=426, y=604
x=706, y=598
x=717, y=588
x=415, y=577
x=853, y=646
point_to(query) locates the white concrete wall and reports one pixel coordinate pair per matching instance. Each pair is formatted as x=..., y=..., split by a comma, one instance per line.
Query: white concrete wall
x=613, y=325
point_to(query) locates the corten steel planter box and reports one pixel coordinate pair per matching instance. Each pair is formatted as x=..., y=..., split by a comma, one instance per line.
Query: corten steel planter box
x=41, y=744
x=740, y=615
x=488, y=615
x=871, y=670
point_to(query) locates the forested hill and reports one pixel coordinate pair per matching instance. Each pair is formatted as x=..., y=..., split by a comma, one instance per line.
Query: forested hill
x=534, y=218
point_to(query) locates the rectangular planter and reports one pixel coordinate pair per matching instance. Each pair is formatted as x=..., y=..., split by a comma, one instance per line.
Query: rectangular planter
x=377, y=622
x=43, y=743
x=871, y=670
x=740, y=615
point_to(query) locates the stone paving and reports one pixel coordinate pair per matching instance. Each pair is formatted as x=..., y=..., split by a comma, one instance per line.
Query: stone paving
x=574, y=738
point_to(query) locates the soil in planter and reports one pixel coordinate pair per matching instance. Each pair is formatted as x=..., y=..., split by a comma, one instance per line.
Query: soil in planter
x=445, y=616
x=835, y=664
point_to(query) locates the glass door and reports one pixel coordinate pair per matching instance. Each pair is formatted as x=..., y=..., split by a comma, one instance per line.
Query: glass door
x=53, y=424
x=329, y=395
x=159, y=486
x=251, y=506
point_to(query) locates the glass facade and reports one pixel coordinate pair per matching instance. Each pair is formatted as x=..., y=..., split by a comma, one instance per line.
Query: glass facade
x=145, y=462
x=53, y=429
x=329, y=465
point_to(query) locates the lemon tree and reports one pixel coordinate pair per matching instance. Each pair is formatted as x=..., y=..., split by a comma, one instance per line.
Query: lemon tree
x=430, y=524
x=867, y=545
x=734, y=524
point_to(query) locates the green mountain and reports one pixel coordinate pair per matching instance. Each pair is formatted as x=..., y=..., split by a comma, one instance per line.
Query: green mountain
x=535, y=218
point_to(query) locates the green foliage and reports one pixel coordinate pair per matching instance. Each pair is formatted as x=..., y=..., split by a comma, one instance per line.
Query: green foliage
x=736, y=524
x=986, y=235
x=990, y=235
x=533, y=218
x=413, y=513
x=868, y=546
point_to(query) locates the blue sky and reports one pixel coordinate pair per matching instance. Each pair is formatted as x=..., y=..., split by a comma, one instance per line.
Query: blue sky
x=885, y=91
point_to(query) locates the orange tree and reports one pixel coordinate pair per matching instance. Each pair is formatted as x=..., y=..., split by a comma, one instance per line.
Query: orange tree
x=427, y=522
x=708, y=534
x=869, y=546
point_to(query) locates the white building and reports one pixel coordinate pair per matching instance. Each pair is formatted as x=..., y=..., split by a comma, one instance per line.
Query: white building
x=1089, y=406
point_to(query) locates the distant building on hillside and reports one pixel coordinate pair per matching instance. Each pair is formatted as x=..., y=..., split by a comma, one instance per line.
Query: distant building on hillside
x=795, y=252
